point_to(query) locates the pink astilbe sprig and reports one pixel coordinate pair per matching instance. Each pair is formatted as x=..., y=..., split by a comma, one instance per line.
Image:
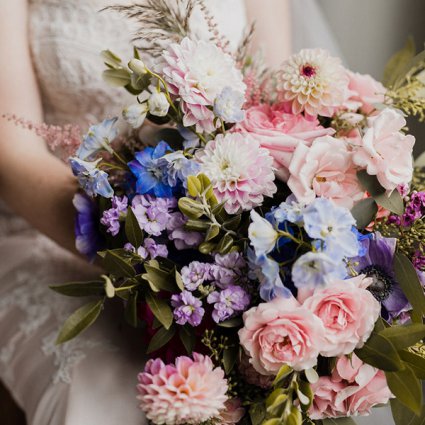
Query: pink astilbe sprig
x=63, y=140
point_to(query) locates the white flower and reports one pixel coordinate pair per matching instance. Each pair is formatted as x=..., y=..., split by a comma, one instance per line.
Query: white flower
x=262, y=235
x=158, y=104
x=137, y=66
x=314, y=82
x=135, y=114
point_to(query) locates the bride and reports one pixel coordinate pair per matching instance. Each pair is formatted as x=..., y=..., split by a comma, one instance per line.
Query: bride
x=52, y=73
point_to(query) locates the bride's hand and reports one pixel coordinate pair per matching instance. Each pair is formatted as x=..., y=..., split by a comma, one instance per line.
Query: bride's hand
x=33, y=183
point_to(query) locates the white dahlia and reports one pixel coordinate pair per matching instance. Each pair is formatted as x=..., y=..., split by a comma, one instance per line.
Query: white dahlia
x=314, y=82
x=240, y=170
x=197, y=72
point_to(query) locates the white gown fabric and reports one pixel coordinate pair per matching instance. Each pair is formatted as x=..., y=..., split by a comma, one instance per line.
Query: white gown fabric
x=90, y=380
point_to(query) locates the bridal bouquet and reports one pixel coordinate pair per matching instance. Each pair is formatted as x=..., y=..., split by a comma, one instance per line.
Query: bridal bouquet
x=269, y=244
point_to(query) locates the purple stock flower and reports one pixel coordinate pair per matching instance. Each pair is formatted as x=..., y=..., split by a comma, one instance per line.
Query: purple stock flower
x=187, y=309
x=88, y=239
x=419, y=260
x=233, y=299
x=377, y=263
x=195, y=274
x=228, y=269
x=149, y=249
x=111, y=217
x=183, y=239
x=153, y=214
x=415, y=210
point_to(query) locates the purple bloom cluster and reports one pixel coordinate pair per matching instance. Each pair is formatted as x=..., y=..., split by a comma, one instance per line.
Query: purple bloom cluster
x=415, y=210
x=111, y=217
x=183, y=239
x=150, y=249
x=233, y=299
x=195, y=274
x=187, y=309
x=153, y=214
x=419, y=260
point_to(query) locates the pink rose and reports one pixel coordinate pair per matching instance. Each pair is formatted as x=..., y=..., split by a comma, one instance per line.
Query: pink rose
x=353, y=389
x=280, y=131
x=281, y=332
x=348, y=312
x=365, y=92
x=325, y=169
x=386, y=152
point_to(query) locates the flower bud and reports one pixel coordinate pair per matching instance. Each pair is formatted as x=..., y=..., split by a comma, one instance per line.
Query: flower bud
x=135, y=114
x=137, y=66
x=158, y=104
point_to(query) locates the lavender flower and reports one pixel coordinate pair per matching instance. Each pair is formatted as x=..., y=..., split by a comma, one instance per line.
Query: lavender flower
x=111, y=217
x=187, y=309
x=149, y=249
x=228, y=269
x=195, y=274
x=228, y=105
x=231, y=300
x=291, y=210
x=415, y=210
x=183, y=239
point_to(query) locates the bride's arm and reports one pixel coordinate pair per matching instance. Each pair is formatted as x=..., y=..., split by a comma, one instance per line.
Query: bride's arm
x=273, y=29
x=33, y=182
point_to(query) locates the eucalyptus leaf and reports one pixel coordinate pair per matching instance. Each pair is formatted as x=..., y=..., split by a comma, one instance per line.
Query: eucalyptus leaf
x=379, y=352
x=409, y=281
x=212, y=232
x=132, y=229
x=257, y=413
x=283, y=373
x=273, y=421
x=207, y=247
x=197, y=225
x=404, y=336
x=407, y=388
x=295, y=417
x=364, y=212
x=118, y=77
x=404, y=416
x=131, y=310
x=205, y=181
x=161, y=337
x=188, y=339
x=160, y=309
x=194, y=186
x=79, y=321
x=225, y=244
x=416, y=362
x=230, y=356
x=232, y=323
x=191, y=208
x=80, y=289
x=161, y=279
x=118, y=266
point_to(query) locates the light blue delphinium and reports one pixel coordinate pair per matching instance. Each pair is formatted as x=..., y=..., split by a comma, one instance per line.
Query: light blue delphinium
x=331, y=224
x=317, y=269
x=228, y=105
x=291, y=210
x=98, y=138
x=91, y=179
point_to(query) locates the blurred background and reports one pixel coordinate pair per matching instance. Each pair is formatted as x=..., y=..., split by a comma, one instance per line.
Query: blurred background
x=368, y=32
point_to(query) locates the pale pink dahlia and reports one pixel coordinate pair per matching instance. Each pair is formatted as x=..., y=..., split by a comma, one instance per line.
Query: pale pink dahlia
x=197, y=72
x=240, y=170
x=187, y=392
x=314, y=82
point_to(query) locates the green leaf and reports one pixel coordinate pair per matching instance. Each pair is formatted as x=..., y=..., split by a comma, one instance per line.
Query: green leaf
x=197, y=225
x=225, y=244
x=232, y=323
x=80, y=289
x=409, y=282
x=130, y=313
x=257, y=413
x=404, y=416
x=393, y=202
x=187, y=337
x=230, y=356
x=160, y=279
x=109, y=287
x=132, y=229
x=205, y=181
x=295, y=417
x=380, y=353
x=364, y=212
x=417, y=363
x=111, y=58
x=161, y=337
x=212, y=232
x=395, y=66
x=233, y=223
x=191, y=208
x=207, y=247
x=160, y=309
x=407, y=388
x=117, y=266
x=284, y=372
x=274, y=421
x=339, y=421
x=194, y=186
x=79, y=321
x=179, y=281
x=404, y=336
x=119, y=77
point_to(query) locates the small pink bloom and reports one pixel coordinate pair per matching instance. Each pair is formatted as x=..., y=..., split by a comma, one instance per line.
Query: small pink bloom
x=348, y=312
x=187, y=392
x=281, y=332
x=325, y=169
x=353, y=389
x=365, y=92
x=385, y=151
x=232, y=413
x=280, y=131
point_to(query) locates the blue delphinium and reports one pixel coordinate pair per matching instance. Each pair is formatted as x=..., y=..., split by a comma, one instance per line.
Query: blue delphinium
x=91, y=179
x=228, y=105
x=98, y=138
x=291, y=210
x=88, y=239
x=149, y=172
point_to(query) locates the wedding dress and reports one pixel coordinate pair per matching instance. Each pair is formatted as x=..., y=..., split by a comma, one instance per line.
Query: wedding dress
x=90, y=380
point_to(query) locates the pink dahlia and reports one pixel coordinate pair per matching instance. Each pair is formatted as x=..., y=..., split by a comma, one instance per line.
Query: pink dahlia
x=240, y=170
x=197, y=72
x=187, y=392
x=314, y=82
